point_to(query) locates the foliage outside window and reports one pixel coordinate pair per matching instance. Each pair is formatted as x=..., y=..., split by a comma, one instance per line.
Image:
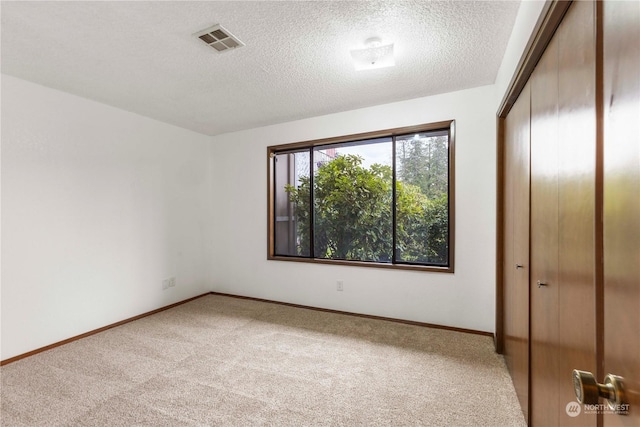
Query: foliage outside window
x=383, y=199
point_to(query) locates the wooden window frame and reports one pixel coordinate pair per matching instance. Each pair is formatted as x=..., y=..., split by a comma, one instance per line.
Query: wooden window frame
x=272, y=150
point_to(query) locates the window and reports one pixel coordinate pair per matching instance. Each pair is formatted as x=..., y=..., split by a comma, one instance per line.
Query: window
x=381, y=199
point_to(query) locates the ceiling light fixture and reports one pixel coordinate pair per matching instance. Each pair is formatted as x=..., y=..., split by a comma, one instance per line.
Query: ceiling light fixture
x=375, y=54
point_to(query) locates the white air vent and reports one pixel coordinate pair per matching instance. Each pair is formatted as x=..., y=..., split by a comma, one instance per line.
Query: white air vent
x=219, y=38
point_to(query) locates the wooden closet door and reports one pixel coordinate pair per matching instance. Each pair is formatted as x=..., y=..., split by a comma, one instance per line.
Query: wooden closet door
x=577, y=202
x=621, y=75
x=563, y=190
x=516, y=246
x=545, y=404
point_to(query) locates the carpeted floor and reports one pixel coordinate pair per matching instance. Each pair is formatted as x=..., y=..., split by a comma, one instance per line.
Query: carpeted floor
x=232, y=362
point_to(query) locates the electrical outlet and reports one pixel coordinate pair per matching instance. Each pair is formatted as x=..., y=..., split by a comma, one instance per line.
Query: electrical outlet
x=340, y=285
x=165, y=284
x=172, y=282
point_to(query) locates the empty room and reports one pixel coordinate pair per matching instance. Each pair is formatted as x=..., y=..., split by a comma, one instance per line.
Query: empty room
x=320, y=213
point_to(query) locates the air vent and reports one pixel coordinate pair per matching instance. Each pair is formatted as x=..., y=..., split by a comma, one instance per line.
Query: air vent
x=219, y=38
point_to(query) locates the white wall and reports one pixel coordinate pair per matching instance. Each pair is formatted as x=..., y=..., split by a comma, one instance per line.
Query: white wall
x=98, y=206
x=464, y=299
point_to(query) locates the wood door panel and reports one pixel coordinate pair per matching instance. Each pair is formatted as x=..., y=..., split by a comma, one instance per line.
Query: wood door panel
x=576, y=202
x=585, y=167
x=545, y=404
x=516, y=244
x=621, y=216
x=563, y=172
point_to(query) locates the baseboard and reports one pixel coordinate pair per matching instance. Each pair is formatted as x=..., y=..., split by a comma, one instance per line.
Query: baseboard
x=366, y=316
x=95, y=331
x=149, y=313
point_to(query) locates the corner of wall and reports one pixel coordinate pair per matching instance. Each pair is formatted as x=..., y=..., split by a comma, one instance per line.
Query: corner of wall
x=526, y=19
x=106, y=203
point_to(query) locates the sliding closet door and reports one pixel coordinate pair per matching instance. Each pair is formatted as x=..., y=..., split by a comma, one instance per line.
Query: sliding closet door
x=516, y=246
x=563, y=228
x=577, y=201
x=544, y=239
x=622, y=202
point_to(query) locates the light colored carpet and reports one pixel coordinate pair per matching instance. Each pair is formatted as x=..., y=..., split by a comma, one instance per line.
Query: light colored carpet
x=232, y=362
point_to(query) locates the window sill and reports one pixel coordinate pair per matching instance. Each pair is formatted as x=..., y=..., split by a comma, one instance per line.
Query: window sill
x=425, y=268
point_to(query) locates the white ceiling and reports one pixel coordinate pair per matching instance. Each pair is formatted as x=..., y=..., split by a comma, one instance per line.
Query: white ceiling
x=141, y=56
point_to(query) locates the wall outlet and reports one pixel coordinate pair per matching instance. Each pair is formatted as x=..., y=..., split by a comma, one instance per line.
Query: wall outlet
x=165, y=284
x=340, y=285
x=172, y=282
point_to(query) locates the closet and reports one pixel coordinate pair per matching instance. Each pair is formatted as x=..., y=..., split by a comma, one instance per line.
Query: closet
x=516, y=245
x=569, y=212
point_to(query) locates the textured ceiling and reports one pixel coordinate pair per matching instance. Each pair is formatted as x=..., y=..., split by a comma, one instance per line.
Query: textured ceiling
x=141, y=56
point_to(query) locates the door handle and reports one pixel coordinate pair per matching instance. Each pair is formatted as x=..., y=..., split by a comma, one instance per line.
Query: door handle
x=588, y=390
x=519, y=266
x=541, y=283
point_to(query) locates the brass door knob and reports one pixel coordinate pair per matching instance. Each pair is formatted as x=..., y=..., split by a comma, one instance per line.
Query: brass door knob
x=588, y=390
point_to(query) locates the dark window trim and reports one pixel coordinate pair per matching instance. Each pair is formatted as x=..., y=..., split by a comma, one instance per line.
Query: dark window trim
x=272, y=150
